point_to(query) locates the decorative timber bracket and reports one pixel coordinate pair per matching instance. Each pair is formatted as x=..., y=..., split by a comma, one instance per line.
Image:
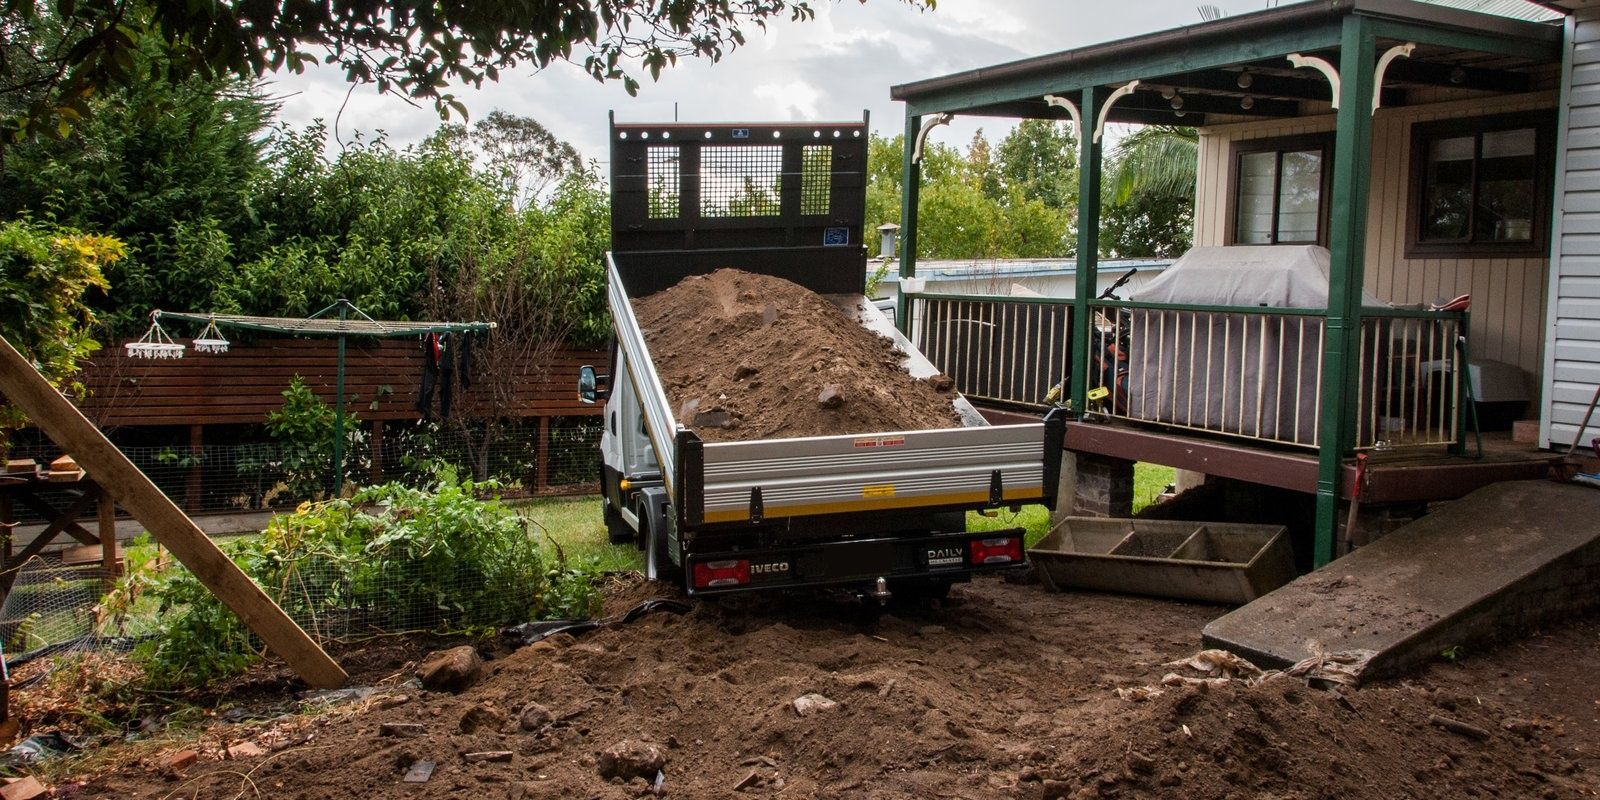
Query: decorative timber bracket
x=1072, y=110
x=942, y=118
x=1100, y=123
x=1398, y=51
x=1321, y=65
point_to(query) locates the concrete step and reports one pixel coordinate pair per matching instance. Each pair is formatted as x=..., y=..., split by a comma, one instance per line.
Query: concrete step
x=1495, y=563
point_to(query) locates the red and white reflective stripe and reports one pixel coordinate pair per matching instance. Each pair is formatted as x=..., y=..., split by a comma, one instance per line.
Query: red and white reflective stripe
x=1002, y=550
x=713, y=574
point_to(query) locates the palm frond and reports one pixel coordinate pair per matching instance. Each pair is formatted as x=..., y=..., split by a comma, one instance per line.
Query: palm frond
x=1156, y=159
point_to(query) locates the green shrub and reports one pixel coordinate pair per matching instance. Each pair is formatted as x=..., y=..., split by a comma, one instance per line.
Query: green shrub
x=392, y=558
x=304, y=429
x=45, y=274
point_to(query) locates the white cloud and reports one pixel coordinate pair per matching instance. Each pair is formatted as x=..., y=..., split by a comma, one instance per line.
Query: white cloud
x=831, y=67
x=794, y=100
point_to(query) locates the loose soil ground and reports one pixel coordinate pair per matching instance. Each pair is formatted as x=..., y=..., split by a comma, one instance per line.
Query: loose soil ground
x=1002, y=691
x=745, y=356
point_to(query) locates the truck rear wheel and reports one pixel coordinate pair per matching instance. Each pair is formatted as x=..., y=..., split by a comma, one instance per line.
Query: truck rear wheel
x=658, y=561
x=617, y=529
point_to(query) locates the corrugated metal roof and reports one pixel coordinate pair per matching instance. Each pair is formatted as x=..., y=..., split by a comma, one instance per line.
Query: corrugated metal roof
x=1514, y=9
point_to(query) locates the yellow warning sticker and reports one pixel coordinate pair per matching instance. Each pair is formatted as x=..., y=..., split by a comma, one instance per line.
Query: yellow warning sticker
x=879, y=490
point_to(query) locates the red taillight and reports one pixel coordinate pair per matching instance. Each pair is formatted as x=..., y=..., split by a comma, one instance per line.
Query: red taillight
x=712, y=574
x=997, y=551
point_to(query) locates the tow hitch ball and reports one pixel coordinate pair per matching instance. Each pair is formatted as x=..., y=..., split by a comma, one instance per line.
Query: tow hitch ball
x=881, y=592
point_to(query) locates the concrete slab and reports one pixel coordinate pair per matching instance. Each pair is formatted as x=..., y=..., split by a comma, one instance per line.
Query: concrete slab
x=1495, y=563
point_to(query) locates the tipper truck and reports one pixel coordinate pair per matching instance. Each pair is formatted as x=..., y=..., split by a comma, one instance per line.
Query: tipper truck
x=875, y=512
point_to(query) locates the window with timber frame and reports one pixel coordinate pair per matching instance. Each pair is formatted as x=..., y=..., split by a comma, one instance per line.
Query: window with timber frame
x=1480, y=188
x=1280, y=190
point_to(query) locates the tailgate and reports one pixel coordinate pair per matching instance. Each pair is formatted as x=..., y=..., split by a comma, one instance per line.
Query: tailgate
x=955, y=467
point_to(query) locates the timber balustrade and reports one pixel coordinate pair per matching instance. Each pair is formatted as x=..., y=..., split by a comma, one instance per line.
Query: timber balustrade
x=999, y=350
x=383, y=378
x=1246, y=372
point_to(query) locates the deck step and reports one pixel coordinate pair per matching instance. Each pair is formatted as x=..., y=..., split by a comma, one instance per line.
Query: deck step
x=1495, y=563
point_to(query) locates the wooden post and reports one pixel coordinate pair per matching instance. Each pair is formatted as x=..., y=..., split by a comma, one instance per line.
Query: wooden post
x=377, y=451
x=8, y=525
x=1088, y=259
x=542, y=481
x=197, y=452
x=106, y=509
x=1347, y=247
x=66, y=425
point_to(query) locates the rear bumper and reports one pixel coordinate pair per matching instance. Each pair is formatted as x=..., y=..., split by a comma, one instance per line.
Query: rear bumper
x=854, y=562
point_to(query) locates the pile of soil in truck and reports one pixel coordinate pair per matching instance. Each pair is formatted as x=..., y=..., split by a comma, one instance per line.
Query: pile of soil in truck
x=745, y=356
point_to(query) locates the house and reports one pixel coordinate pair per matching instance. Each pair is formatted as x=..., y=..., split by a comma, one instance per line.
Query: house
x=1467, y=141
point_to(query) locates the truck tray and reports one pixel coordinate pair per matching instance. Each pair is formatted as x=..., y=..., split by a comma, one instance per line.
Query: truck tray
x=1213, y=562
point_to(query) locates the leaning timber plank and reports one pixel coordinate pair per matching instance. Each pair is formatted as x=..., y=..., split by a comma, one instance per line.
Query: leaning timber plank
x=173, y=529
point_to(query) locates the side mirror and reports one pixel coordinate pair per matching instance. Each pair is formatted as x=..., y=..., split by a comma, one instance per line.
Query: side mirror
x=592, y=386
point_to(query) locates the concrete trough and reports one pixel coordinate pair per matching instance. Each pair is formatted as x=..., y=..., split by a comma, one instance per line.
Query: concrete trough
x=1212, y=562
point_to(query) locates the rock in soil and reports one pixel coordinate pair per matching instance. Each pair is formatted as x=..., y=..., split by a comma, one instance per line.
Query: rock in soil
x=631, y=759
x=534, y=717
x=245, y=750
x=807, y=704
x=418, y=772
x=402, y=730
x=1028, y=694
x=452, y=670
x=802, y=366
x=25, y=788
x=481, y=716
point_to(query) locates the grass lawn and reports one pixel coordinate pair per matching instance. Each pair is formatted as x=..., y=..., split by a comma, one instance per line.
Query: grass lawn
x=1149, y=480
x=574, y=524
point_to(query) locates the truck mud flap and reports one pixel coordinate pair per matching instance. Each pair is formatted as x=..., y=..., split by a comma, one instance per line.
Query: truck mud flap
x=858, y=561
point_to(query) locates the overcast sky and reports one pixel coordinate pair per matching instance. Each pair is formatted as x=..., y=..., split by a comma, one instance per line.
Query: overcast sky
x=830, y=68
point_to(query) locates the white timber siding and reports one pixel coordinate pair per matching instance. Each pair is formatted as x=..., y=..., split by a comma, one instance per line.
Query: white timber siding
x=1508, y=294
x=1572, y=353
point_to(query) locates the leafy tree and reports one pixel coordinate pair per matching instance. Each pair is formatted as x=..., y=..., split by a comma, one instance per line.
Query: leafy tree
x=1147, y=209
x=368, y=225
x=883, y=185
x=524, y=153
x=980, y=159
x=169, y=169
x=540, y=280
x=1040, y=158
x=45, y=274
x=60, y=54
x=1147, y=226
x=956, y=217
x=755, y=201
x=305, y=429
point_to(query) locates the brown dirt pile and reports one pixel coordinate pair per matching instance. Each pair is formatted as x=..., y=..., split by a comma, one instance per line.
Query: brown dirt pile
x=745, y=356
x=1002, y=692
x=1282, y=739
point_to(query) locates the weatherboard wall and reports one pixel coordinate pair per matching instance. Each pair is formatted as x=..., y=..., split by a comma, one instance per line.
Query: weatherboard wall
x=1508, y=294
x=1572, y=354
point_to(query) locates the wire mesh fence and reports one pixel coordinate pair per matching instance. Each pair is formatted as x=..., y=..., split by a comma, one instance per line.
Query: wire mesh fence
x=52, y=608
x=552, y=455
x=392, y=559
